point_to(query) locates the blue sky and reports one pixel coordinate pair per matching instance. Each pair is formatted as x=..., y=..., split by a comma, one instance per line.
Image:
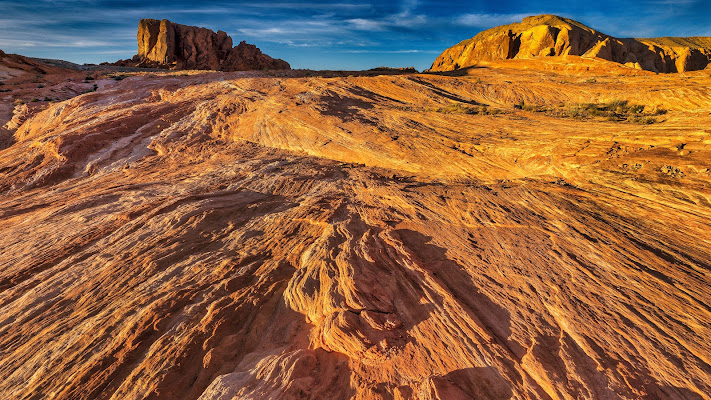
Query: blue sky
x=338, y=34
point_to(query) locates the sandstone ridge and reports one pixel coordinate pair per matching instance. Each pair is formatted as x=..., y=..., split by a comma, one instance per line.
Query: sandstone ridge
x=550, y=35
x=165, y=44
x=281, y=235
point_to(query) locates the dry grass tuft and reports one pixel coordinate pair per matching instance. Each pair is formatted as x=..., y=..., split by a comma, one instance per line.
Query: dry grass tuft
x=614, y=110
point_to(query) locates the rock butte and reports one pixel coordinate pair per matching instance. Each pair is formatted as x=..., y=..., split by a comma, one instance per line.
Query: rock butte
x=550, y=35
x=165, y=44
x=245, y=236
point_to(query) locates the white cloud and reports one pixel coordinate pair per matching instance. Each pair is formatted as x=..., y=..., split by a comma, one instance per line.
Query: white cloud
x=56, y=42
x=484, y=20
x=365, y=24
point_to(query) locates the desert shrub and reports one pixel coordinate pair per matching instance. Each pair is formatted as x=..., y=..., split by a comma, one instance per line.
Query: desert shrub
x=636, y=109
x=533, y=108
x=17, y=102
x=599, y=112
x=459, y=108
x=93, y=89
x=521, y=105
x=644, y=120
x=89, y=78
x=455, y=108
x=34, y=100
x=614, y=105
x=613, y=110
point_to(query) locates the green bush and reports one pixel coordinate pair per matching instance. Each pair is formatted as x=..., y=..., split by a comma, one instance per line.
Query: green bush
x=459, y=108
x=644, y=120
x=613, y=110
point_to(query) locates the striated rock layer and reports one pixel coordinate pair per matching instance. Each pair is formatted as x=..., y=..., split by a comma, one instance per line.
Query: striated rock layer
x=22, y=80
x=166, y=44
x=237, y=236
x=550, y=35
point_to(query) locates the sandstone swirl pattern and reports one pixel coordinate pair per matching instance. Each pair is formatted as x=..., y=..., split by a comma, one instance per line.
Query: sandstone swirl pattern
x=224, y=236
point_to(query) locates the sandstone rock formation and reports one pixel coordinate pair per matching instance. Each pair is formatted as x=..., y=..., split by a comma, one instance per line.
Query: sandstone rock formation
x=166, y=44
x=25, y=80
x=13, y=65
x=550, y=35
x=243, y=236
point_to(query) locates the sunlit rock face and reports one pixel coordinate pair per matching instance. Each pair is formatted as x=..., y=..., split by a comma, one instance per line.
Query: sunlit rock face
x=550, y=35
x=169, y=45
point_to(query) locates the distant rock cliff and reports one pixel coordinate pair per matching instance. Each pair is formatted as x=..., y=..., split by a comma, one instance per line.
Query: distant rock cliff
x=550, y=35
x=166, y=44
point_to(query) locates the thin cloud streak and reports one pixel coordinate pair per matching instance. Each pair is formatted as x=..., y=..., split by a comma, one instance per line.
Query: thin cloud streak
x=490, y=20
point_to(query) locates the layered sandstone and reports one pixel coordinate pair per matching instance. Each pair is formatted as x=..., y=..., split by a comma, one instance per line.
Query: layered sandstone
x=549, y=35
x=14, y=65
x=166, y=44
x=244, y=236
x=25, y=83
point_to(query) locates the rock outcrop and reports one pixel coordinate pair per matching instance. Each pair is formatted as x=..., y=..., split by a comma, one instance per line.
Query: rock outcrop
x=14, y=65
x=550, y=35
x=165, y=44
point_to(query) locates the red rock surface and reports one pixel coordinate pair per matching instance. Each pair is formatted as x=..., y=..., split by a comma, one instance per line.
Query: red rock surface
x=166, y=44
x=550, y=35
x=28, y=85
x=220, y=236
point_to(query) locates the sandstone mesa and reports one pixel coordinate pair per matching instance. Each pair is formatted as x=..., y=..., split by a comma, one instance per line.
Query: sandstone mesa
x=165, y=44
x=550, y=35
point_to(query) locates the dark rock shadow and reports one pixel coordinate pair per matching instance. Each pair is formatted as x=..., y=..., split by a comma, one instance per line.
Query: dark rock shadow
x=460, y=384
x=442, y=92
x=473, y=383
x=345, y=108
x=243, y=330
x=7, y=139
x=457, y=280
x=456, y=72
x=679, y=393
